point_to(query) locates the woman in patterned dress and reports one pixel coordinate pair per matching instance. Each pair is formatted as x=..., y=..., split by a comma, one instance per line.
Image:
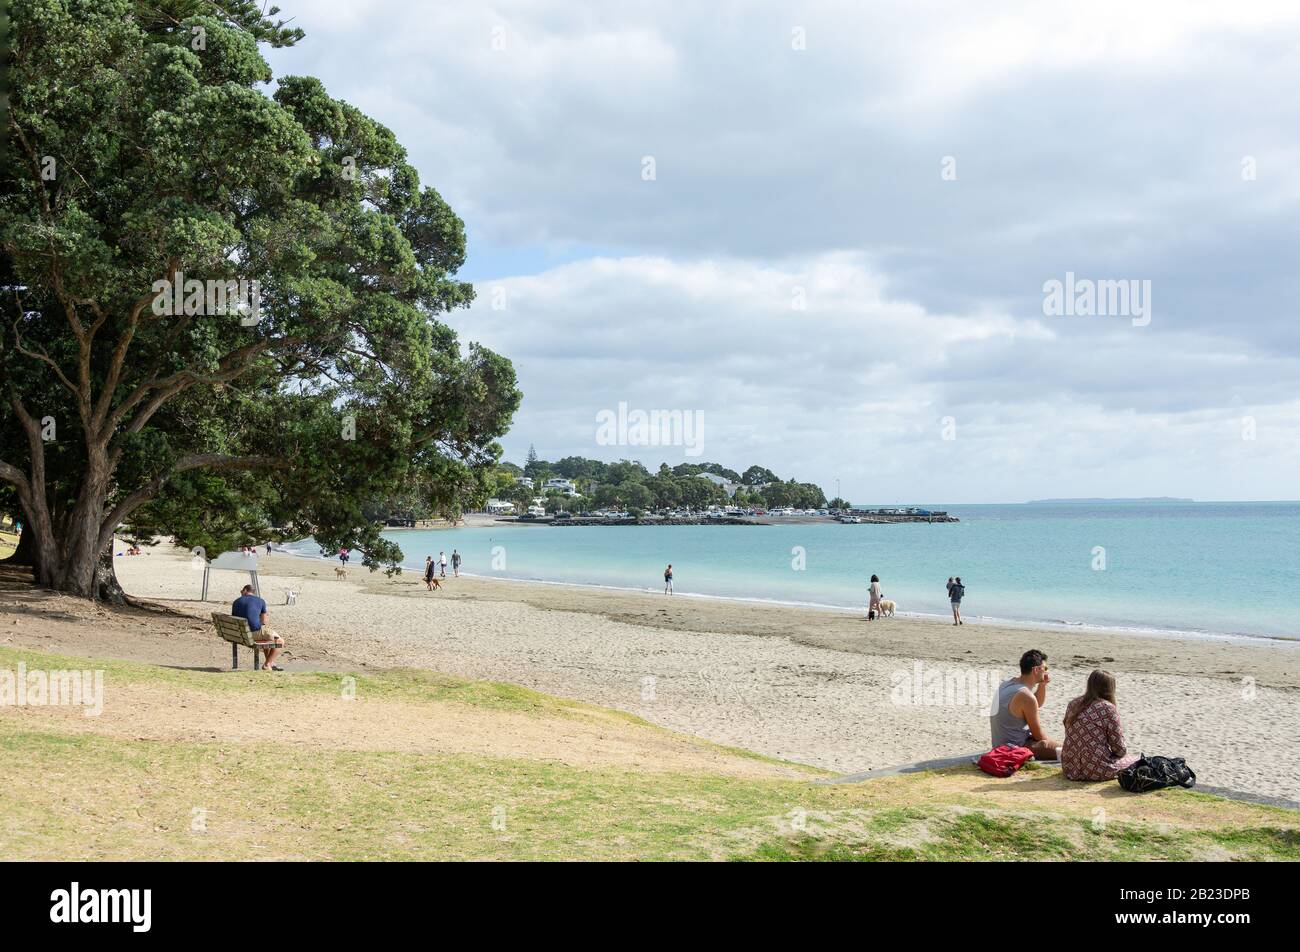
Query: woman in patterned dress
x=1094, y=741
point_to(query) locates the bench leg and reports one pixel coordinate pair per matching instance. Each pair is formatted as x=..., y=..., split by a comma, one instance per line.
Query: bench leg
x=234, y=657
x=257, y=661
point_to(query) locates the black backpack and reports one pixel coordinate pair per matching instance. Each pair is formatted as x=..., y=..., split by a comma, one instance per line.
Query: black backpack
x=1155, y=773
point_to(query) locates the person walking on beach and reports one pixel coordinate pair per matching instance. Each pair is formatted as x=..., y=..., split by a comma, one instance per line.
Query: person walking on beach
x=955, y=592
x=428, y=572
x=442, y=564
x=873, y=609
x=668, y=579
x=1015, y=717
x=343, y=556
x=455, y=563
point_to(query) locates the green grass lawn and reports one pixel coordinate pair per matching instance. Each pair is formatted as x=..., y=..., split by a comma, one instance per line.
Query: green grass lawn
x=72, y=793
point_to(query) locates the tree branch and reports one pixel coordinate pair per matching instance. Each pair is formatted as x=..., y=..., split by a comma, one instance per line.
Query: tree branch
x=14, y=475
x=139, y=497
x=45, y=358
x=118, y=360
x=35, y=445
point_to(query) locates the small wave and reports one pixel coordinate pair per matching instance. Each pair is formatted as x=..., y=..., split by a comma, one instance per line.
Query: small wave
x=310, y=550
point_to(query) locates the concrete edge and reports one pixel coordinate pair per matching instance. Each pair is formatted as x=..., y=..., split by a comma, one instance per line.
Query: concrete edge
x=921, y=766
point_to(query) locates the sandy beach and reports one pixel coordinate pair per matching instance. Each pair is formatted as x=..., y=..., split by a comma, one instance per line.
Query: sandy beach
x=821, y=688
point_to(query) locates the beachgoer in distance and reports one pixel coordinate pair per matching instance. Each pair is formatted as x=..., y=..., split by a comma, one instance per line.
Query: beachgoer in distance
x=455, y=563
x=1015, y=716
x=955, y=592
x=668, y=579
x=442, y=564
x=1094, y=741
x=428, y=572
x=343, y=556
x=874, y=608
x=252, y=608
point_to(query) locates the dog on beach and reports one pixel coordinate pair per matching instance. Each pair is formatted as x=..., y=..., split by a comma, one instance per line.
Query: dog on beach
x=340, y=573
x=290, y=596
x=434, y=584
x=886, y=608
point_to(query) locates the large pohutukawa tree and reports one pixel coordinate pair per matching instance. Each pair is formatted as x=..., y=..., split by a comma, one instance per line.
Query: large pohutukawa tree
x=145, y=153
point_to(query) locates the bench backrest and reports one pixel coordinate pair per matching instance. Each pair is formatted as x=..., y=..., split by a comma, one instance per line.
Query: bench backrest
x=233, y=628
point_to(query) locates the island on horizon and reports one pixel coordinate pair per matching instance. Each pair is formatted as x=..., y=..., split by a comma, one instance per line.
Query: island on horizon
x=1088, y=499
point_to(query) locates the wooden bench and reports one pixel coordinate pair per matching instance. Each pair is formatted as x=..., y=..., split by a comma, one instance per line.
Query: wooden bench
x=236, y=631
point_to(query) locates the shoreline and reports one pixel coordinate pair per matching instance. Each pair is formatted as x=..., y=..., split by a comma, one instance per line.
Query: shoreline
x=1275, y=662
x=1029, y=624
x=804, y=685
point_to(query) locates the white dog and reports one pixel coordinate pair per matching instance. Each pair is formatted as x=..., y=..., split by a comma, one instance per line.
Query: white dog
x=886, y=608
x=290, y=596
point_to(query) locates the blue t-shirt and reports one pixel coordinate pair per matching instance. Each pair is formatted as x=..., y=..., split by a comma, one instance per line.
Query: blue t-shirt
x=250, y=607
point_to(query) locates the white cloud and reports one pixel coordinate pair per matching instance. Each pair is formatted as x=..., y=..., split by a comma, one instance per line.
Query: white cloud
x=858, y=384
x=1104, y=138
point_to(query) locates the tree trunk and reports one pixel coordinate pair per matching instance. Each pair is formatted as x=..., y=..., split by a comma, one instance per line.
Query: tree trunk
x=25, y=554
x=80, y=542
x=80, y=568
x=107, y=588
x=38, y=533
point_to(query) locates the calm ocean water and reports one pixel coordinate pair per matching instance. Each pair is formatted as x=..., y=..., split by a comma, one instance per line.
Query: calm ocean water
x=1229, y=568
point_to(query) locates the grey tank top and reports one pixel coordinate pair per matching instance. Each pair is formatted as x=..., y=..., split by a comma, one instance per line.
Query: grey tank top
x=1006, y=727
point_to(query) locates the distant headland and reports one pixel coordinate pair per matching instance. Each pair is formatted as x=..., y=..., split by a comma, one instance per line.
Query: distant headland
x=1092, y=499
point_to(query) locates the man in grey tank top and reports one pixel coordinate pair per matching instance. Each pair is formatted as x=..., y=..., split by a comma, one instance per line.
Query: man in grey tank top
x=1015, y=717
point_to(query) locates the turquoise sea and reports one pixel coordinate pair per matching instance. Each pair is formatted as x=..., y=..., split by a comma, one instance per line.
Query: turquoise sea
x=1206, y=568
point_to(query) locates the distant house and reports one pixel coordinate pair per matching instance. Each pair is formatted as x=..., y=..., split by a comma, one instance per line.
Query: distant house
x=498, y=505
x=523, y=481
x=730, y=487
x=565, y=486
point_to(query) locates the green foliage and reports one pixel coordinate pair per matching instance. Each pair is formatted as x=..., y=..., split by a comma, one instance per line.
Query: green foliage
x=627, y=484
x=796, y=494
x=347, y=396
x=717, y=469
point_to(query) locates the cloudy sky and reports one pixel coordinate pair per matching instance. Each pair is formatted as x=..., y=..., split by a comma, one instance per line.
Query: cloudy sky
x=827, y=227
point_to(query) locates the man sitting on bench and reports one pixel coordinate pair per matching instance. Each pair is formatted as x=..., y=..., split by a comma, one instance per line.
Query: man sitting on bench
x=253, y=609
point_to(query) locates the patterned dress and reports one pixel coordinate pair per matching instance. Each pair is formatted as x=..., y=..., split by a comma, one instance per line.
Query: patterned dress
x=1094, y=743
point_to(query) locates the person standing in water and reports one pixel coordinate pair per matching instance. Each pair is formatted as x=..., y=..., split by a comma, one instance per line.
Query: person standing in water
x=668, y=579
x=455, y=563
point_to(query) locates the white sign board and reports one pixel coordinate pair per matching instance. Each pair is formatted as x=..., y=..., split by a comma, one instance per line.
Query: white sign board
x=233, y=562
